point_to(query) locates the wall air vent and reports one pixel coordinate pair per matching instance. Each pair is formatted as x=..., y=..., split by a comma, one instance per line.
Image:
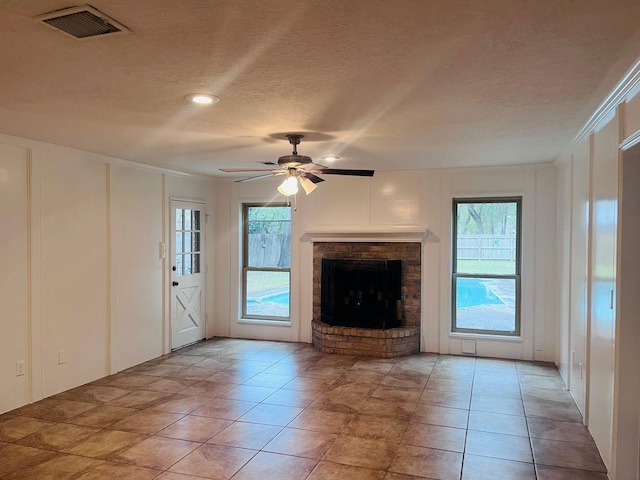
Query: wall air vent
x=81, y=22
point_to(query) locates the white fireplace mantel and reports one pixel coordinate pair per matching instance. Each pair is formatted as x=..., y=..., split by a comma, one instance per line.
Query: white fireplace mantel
x=370, y=234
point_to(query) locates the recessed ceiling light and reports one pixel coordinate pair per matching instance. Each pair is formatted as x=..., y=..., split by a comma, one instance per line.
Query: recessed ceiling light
x=331, y=158
x=202, y=98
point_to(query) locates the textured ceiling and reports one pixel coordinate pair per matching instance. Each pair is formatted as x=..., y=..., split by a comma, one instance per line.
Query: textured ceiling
x=388, y=85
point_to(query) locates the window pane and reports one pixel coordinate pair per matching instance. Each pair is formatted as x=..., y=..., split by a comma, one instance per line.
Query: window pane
x=195, y=266
x=178, y=242
x=196, y=242
x=486, y=238
x=267, y=294
x=269, y=237
x=187, y=219
x=187, y=242
x=187, y=265
x=178, y=219
x=178, y=265
x=196, y=220
x=486, y=304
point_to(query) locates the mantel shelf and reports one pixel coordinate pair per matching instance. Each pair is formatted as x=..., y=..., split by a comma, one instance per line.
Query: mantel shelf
x=396, y=234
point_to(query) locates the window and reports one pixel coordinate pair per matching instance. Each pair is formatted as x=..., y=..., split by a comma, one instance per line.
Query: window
x=266, y=269
x=486, y=266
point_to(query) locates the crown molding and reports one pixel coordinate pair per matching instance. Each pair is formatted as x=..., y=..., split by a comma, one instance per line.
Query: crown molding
x=623, y=91
x=52, y=147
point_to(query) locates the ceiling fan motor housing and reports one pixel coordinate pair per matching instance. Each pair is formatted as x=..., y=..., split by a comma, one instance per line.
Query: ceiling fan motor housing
x=292, y=161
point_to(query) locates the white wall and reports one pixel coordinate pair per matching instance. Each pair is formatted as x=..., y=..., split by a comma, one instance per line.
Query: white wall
x=602, y=339
x=393, y=201
x=14, y=280
x=536, y=185
x=82, y=235
x=228, y=214
x=136, y=233
x=73, y=268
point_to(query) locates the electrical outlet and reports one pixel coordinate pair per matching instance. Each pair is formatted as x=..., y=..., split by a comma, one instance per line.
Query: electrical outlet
x=539, y=346
x=19, y=368
x=62, y=357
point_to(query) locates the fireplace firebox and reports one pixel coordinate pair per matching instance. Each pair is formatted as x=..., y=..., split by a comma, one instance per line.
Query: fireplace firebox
x=361, y=293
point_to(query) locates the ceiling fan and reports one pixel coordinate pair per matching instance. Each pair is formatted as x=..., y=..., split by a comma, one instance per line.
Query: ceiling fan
x=298, y=168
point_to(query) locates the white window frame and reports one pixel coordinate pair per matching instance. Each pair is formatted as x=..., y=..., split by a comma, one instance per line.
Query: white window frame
x=516, y=276
x=245, y=268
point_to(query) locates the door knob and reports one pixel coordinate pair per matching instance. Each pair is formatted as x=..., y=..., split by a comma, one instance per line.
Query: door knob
x=175, y=284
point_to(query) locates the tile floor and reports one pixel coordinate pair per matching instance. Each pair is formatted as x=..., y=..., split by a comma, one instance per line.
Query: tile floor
x=254, y=410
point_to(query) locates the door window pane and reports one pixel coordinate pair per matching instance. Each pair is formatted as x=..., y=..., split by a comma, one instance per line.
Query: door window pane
x=195, y=242
x=196, y=220
x=178, y=242
x=187, y=242
x=178, y=219
x=195, y=265
x=187, y=219
x=187, y=265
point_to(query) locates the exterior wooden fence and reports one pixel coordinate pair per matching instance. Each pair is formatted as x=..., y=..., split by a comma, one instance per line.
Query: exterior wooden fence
x=486, y=247
x=269, y=250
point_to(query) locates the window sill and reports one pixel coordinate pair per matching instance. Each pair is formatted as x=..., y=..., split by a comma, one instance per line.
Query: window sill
x=486, y=336
x=269, y=323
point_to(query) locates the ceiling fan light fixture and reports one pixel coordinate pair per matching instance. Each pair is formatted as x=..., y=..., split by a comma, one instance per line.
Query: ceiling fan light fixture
x=331, y=158
x=307, y=185
x=202, y=98
x=289, y=186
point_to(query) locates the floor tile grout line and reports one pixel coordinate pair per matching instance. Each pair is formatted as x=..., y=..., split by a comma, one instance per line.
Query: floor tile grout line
x=303, y=408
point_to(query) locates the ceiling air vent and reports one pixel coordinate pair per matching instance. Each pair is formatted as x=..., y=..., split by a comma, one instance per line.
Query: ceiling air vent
x=82, y=22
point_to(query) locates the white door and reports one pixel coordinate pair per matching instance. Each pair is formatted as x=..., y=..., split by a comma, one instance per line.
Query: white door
x=187, y=273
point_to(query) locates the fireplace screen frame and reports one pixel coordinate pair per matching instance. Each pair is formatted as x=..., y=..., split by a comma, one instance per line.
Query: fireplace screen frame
x=361, y=293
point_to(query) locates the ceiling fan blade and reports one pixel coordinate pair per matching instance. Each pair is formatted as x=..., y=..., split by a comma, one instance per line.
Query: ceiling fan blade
x=233, y=170
x=343, y=171
x=251, y=179
x=311, y=167
x=313, y=178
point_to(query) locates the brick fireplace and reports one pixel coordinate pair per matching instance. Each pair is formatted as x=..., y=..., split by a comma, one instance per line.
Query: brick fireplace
x=388, y=343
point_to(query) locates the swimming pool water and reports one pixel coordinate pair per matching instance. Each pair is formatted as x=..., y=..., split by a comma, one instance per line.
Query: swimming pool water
x=278, y=298
x=471, y=292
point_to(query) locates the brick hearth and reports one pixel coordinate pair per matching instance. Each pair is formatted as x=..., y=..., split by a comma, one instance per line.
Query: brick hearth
x=394, y=342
